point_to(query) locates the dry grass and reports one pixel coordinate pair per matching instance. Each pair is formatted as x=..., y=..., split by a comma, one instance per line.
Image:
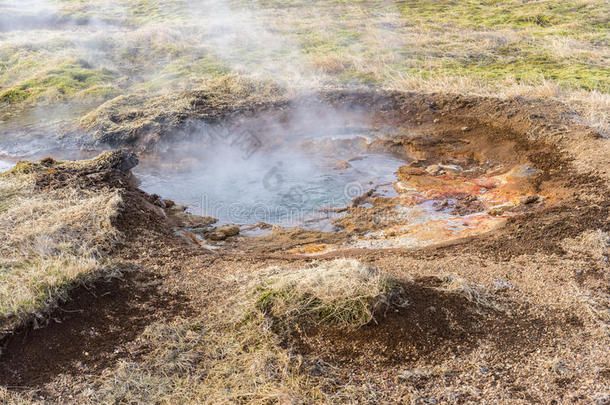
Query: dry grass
x=236, y=354
x=592, y=106
x=344, y=292
x=548, y=48
x=51, y=239
x=127, y=114
x=457, y=286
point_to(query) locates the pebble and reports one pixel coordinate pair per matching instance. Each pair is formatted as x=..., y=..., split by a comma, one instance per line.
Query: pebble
x=223, y=232
x=433, y=169
x=529, y=199
x=503, y=285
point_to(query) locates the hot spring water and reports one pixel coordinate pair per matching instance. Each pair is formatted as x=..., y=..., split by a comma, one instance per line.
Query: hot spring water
x=292, y=185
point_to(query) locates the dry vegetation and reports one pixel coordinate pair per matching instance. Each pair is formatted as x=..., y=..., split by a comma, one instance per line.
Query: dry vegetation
x=529, y=326
x=52, y=239
x=241, y=351
x=546, y=49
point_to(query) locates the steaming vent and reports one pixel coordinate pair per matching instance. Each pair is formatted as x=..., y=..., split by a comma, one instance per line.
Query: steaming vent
x=287, y=169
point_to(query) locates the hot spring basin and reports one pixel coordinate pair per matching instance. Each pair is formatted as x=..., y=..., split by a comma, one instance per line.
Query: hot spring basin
x=381, y=183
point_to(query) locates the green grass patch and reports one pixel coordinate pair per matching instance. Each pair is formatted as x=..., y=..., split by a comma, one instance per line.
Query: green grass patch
x=542, y=16
x=59, y=82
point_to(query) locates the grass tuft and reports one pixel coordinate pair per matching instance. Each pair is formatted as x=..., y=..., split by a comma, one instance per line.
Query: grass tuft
x=236, y=354
x=343, y=293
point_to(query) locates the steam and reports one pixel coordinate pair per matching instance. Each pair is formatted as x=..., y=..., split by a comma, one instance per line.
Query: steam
x=291, y=177
x=238, y=37
x=154, y=46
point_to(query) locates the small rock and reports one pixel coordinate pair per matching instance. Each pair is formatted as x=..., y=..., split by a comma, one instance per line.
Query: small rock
x=200, y=230
x=436, y=120
x=503, y=285
x=433, y=170
x=158, y=201
x=454, y=168
x=411, y=171
x=343, y=164
x=465, y=129
x=195, y=221
x=223, y=232
x=263, y=225
x=178, y=208
x=216, y=236
x=229, y=230
x=169, y=203
x=500, y=209
x=529, y=199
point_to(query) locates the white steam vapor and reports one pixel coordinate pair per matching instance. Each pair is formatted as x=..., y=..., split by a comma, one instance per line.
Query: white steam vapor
x=144, y=48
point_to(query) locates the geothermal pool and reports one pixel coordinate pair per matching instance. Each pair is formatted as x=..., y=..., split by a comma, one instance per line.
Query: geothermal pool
x=332, y=172
x=297, y=184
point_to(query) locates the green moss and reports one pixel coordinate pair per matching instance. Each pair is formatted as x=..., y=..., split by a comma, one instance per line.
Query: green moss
x=64, y=81
x=374, y=41
x=99, y=93
x=144, y=11
x=24, y=167
x=265, y=300
x=532, y=66
x=13, y=96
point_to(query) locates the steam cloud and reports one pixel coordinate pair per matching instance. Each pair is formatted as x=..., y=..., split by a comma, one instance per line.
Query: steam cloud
x=139, y=51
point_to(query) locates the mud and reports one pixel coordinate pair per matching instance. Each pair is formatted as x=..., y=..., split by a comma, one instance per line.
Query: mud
x=431, y=326
x=462, y=176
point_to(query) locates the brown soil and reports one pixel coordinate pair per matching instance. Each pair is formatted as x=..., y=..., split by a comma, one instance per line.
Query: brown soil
x=90, y=332
x=433, y=326
x=172, y=276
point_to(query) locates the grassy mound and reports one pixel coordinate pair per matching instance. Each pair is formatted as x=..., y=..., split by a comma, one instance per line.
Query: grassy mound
x=344, y=292
x=236, y=355
x=54, y=238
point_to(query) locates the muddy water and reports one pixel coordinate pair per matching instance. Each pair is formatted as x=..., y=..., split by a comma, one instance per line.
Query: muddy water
x=294, y=185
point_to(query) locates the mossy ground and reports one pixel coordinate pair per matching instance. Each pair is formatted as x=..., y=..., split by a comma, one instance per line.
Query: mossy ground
x=493, y=47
